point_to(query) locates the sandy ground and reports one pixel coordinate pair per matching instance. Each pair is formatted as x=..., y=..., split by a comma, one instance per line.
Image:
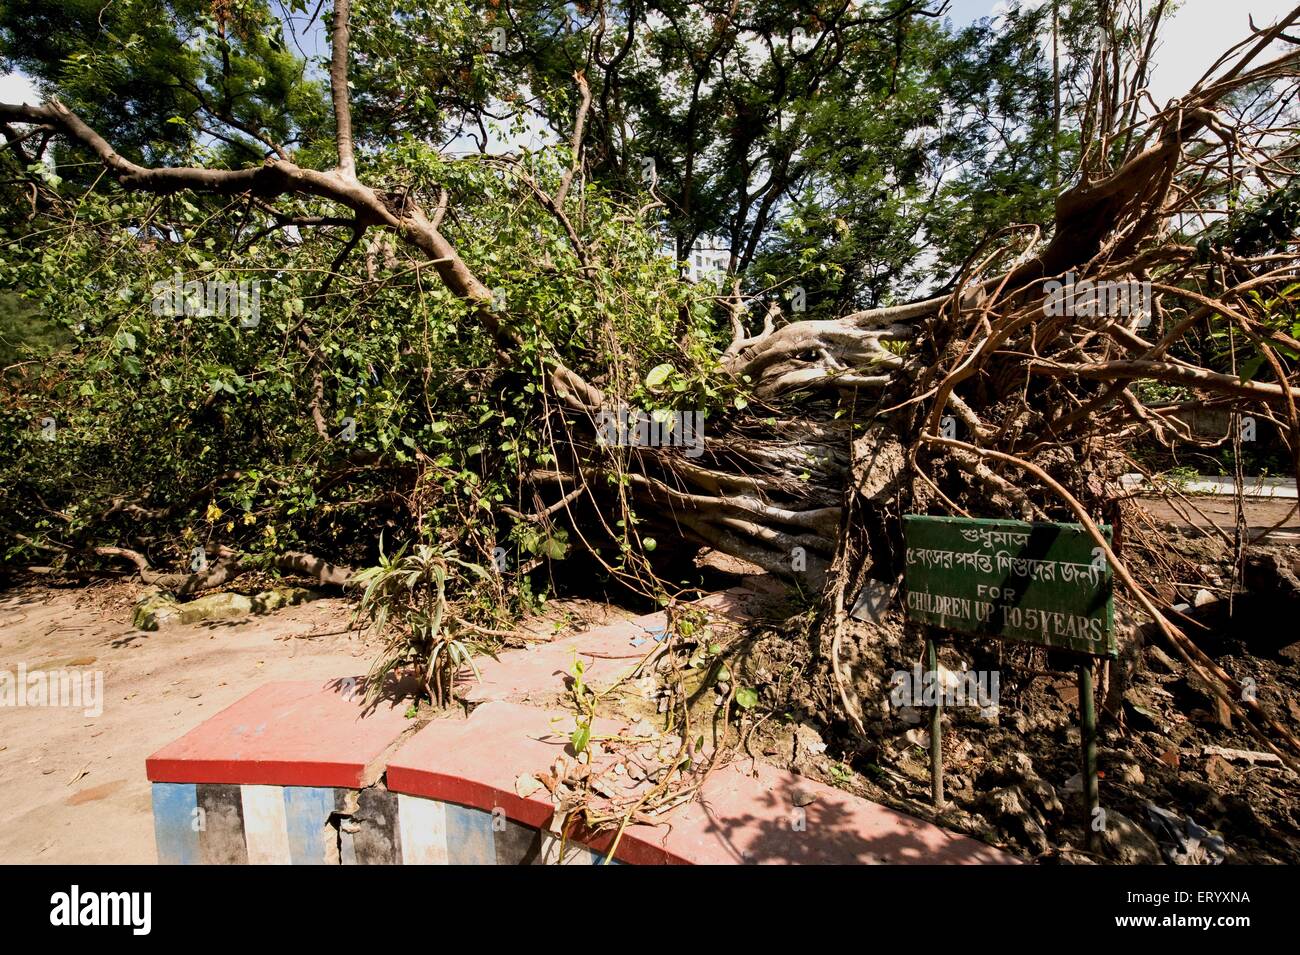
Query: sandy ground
x=73, y=786
x=1263, y=515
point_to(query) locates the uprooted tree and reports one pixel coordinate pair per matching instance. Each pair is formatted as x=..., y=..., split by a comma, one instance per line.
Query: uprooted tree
x=439, y=337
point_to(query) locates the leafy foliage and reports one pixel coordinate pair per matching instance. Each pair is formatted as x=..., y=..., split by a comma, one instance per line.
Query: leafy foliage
x=406, y=595
x=856, y=151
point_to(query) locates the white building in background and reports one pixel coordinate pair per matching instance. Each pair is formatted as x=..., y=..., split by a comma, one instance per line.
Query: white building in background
x=705, y=263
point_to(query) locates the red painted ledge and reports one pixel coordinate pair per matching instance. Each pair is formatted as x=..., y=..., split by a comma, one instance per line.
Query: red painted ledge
x=740, y=818
x=292, y=733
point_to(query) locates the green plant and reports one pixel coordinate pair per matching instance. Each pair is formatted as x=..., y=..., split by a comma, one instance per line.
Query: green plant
x=841, y=774
x=1180, y=476
x=406, y=594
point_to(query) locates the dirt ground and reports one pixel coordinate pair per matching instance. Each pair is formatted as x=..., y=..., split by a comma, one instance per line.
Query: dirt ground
x=1012, y=774
x=72, y=786
x=1274, y=516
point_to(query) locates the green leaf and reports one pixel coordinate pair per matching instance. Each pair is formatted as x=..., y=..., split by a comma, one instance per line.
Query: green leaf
x=580, y=737
x=1251, y=367
x=658, y=375
x=554, y=548
x=747, y=698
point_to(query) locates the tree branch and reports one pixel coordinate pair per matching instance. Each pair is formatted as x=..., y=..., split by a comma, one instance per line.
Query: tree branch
x=339, y=38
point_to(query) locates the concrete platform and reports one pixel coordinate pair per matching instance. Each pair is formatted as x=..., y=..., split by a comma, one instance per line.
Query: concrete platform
x=301, y=772
x=740, y=818
x=537, y=674
x=300, y=733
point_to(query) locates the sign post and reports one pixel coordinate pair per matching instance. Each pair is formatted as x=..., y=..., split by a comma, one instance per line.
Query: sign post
x=936, y=725
x=1088, y=745
x=1037, y=583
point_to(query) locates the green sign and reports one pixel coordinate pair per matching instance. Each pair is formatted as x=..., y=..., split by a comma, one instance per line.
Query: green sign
x=1048, y=584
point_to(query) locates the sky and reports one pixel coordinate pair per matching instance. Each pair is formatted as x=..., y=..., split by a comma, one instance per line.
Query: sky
x=1197, y=34
x=15, y=88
